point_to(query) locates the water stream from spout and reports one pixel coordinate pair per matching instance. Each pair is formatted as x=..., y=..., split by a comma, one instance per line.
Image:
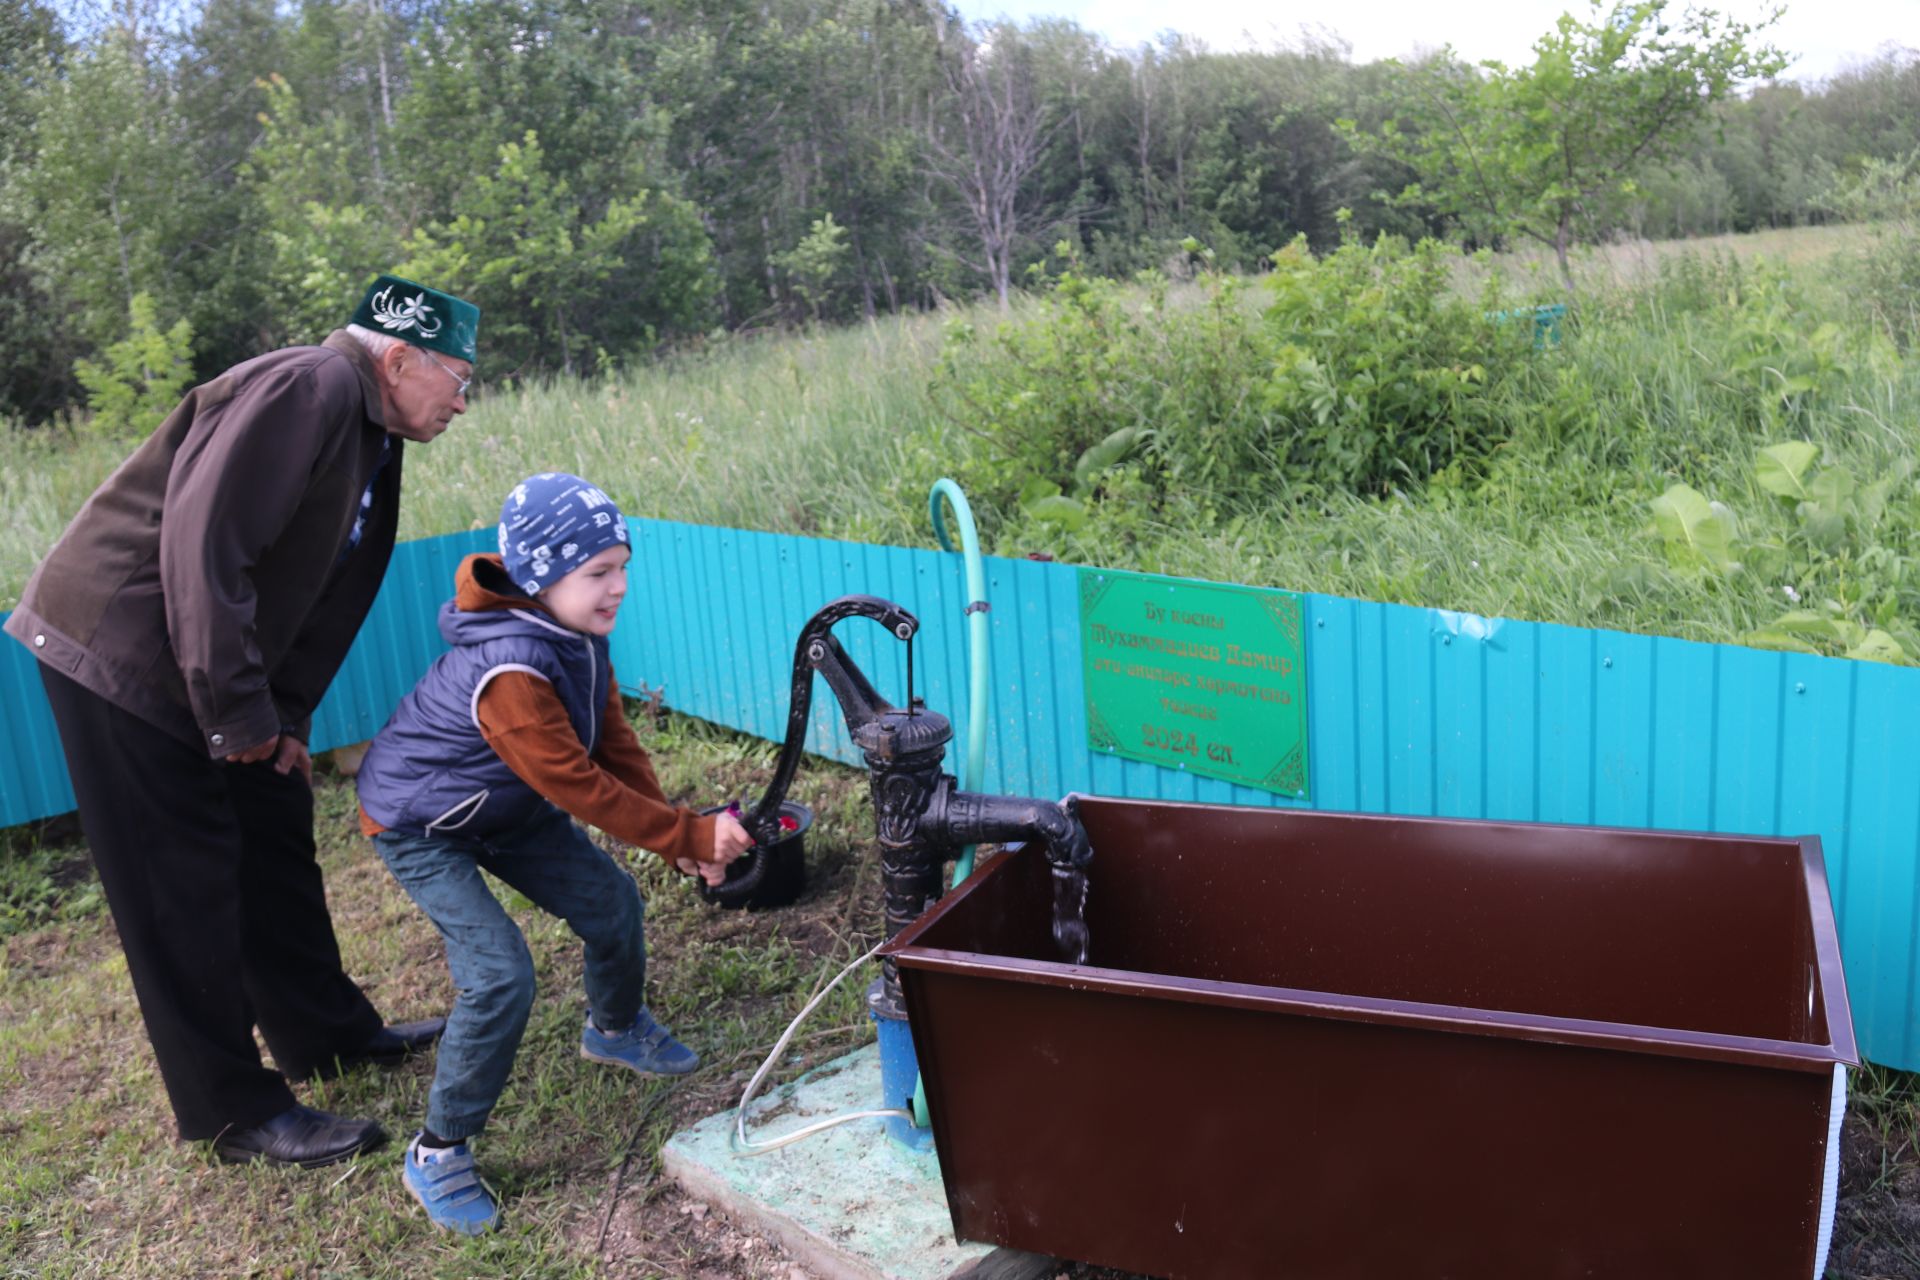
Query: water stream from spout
x=1070, y=913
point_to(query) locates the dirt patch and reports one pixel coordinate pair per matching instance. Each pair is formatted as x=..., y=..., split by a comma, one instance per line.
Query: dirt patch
x=1876, y=1230
x=658, y=1230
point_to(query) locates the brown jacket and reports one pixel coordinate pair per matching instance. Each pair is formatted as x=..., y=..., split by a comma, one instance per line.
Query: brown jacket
x=523, y=720
x=202, y=586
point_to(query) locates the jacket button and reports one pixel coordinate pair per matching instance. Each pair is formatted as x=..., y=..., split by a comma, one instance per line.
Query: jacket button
x=40, y=642
x=219, y=739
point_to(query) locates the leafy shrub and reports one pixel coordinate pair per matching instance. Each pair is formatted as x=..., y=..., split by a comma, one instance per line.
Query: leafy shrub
x=1363, y=372
x=138, y=380
x=1781, y=363
x=1842, y=562
x=1104, y=390
x=1382, y=373
x=814, y=265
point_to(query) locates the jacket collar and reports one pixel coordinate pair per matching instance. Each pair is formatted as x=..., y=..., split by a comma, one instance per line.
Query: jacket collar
x=349, y=346
x=481, y=585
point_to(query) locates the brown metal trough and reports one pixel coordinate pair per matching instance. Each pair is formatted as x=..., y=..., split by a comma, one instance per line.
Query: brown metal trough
x=1329, y=1045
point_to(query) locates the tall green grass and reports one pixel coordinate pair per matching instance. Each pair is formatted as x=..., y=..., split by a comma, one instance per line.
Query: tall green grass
x=1680, y=378
x=45, y=476
x=802, y=434
x=1662, y=378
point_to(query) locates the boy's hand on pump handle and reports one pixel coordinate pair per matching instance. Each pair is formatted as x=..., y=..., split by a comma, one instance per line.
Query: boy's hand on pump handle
x=730, y=840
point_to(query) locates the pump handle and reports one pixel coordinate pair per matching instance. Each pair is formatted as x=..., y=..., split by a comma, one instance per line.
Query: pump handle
x=815, y=650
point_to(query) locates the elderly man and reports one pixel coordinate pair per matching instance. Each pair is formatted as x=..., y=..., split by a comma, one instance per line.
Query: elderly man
x=187, y=623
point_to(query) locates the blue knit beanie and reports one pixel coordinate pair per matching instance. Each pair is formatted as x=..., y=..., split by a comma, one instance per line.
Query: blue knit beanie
x=553, y=523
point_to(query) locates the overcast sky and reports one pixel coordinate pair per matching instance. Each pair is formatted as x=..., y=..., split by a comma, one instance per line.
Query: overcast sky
x=1823, y=35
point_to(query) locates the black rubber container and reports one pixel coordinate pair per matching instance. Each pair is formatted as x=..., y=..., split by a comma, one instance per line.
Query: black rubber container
x=771, y=875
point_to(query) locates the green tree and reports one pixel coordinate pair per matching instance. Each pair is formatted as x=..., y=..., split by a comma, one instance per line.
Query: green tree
x=1547, y=150
x=109, y=188
x=563, y=287
x=814, y=263
x=36, y=354
x=216, y=253
x=137, y=381
x=322, y=246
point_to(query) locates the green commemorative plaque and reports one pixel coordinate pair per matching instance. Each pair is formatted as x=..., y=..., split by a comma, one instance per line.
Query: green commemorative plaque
x=1209, y=679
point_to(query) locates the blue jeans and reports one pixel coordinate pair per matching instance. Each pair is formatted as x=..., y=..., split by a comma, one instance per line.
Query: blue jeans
x=554, y=864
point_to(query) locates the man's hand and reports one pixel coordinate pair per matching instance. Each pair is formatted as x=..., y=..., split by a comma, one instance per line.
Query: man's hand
x=256, y=753
x=291, y=755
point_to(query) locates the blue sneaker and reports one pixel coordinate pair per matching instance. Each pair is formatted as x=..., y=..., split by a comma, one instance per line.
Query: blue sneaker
x=443, y=1181
x=646, y=1047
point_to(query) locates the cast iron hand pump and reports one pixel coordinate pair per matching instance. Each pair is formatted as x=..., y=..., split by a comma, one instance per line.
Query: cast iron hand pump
x=923, y=817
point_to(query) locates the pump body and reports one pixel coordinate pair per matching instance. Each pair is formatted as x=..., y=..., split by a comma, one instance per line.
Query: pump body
x=921, y=815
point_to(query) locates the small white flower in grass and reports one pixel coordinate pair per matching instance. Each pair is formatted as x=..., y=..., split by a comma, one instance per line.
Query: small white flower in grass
x=1788, y=591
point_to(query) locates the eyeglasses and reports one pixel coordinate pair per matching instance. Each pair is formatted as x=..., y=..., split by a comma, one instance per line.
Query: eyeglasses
x=447, y=369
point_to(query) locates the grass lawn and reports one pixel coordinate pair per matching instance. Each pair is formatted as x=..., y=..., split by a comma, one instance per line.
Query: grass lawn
x=92, y=1182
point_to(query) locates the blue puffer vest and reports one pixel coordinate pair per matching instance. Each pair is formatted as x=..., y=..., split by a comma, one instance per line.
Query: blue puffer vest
x=430, y=770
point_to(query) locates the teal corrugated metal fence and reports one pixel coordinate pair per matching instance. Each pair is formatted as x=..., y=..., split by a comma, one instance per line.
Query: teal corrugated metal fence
x=1410, y=711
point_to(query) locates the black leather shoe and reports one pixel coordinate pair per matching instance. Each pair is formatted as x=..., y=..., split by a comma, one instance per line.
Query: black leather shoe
x=388, y=1047
x=397, y=1043
x=300, y=1136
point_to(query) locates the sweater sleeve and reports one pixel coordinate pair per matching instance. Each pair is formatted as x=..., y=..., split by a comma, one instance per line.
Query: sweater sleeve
x=621, y=754
x=525, y=723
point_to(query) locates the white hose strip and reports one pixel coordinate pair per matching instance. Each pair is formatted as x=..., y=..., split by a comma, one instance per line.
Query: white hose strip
x=741, y=1146
x=1830, y=1184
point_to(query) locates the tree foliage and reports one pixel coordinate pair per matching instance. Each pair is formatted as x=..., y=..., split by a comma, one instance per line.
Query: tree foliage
x=542, y=264
x=136, y=382
x=608, y=180
x=1547, y=150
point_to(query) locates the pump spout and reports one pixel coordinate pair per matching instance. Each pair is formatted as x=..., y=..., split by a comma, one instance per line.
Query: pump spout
x=981, y=819
x=969, y=818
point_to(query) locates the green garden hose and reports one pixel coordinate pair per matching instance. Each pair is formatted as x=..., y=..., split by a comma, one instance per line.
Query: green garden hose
x=978, y=659
x=979, y=664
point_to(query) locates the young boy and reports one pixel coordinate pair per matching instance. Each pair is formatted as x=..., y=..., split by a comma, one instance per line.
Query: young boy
x=515, y=728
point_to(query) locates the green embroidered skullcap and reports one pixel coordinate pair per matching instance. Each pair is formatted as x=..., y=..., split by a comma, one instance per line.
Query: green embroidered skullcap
x=421, y=316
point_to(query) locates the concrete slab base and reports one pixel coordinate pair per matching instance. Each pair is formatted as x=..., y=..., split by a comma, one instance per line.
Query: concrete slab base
x=849, y=1204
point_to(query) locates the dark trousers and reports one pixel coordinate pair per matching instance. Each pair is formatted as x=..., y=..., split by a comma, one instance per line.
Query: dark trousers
x=209, y=870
